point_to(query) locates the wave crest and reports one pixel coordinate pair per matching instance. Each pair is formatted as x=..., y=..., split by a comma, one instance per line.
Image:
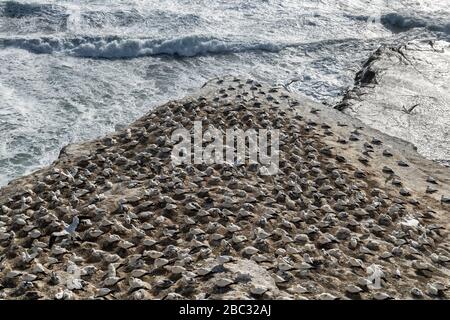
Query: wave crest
x=120, y=48
x=398, y=23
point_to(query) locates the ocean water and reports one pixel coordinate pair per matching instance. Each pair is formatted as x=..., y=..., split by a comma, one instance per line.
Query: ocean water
x=75, y=70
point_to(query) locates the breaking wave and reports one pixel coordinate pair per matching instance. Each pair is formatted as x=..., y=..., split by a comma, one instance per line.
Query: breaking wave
x=399, y=23
x=120, y=48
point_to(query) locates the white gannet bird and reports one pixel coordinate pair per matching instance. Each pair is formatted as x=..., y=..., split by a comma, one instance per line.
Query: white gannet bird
x=26, y=257
x=67, y=232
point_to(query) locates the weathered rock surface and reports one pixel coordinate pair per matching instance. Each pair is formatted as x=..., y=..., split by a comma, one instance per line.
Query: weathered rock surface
x=404, y=91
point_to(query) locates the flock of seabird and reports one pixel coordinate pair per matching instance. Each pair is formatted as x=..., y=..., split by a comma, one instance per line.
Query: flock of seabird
x=346, y=217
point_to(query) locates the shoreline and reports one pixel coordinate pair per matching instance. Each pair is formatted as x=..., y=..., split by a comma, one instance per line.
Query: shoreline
x=402, y=90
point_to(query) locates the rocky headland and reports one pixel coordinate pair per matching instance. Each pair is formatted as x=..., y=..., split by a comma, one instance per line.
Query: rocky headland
x=352, y=213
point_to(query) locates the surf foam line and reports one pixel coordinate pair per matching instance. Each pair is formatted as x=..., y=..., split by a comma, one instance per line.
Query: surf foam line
x=114, y=47
x=119, y=48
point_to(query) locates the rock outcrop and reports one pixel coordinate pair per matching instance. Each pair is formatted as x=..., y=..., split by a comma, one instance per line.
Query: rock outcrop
x=352, y=213
x=404, y=91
